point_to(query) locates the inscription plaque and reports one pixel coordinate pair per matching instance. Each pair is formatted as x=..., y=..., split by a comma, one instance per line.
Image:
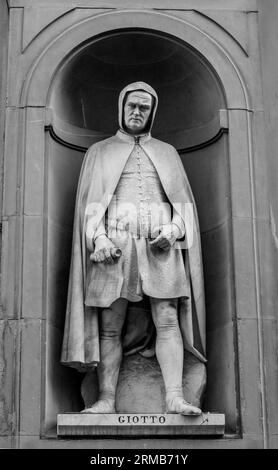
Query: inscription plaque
x=73, y=424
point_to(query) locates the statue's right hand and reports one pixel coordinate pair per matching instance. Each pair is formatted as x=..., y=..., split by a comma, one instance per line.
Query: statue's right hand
x=105, y=251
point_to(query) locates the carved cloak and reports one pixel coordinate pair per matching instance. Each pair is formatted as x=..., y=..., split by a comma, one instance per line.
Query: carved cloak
x=101, y=170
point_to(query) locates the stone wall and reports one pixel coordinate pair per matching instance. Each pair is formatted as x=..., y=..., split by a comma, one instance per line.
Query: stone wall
x=6, y=342
x=35, y=25
x=268, y=37
x=4, y=22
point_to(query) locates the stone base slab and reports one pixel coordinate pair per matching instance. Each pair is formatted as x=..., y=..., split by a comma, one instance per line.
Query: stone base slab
x=142, y=424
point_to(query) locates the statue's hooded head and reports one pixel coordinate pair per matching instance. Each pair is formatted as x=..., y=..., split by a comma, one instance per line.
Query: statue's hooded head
x=137, y=107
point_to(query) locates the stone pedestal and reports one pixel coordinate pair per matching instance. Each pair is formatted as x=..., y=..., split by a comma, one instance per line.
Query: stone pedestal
x=141, y=424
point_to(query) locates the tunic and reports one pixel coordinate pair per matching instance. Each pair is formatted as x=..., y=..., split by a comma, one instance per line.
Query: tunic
x=141, y=204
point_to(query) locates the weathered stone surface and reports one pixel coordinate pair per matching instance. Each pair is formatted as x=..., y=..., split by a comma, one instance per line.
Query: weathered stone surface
x=4, y=34
x=244, y=266
x=218, y=272
x=239, y=164
x=9, y=264
x=32, y=267
x=36, y=19
x=251, y=385
x=62, y=384
x=34, y=162
x=233, y=22
x=8, y=376
x=72, y=424
x=6, y=442
x=10, y=194
x=221, y=392
x=89, y=388
x=30, y=386
x=260, y=182
x=210, y=185
x=224, y=5
x=271, y=372
x=194, y=380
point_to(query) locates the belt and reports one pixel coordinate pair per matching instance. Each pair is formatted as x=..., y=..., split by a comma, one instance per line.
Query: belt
x=135, y=232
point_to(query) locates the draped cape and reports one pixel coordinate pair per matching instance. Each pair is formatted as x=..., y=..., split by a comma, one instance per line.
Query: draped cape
x=100, y=173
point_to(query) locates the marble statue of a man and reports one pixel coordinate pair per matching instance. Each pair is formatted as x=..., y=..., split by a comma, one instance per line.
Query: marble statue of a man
x=129, y=229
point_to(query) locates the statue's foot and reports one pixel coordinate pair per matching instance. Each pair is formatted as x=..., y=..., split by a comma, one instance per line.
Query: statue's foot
x=101, y=406
x=179, y=405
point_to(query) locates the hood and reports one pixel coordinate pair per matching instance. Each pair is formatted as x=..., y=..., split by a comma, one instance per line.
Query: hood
x=133, y=87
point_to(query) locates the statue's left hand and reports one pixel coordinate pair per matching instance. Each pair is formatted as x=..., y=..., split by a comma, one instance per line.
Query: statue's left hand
x=168, y=234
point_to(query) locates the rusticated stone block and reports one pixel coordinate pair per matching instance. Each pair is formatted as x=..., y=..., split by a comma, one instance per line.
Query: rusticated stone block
x=8, y=357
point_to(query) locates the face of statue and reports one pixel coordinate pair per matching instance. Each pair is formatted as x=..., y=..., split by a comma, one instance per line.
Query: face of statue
x=137, y=110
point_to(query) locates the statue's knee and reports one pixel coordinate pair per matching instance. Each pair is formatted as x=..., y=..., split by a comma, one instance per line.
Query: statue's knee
x=162, y=305
x=167, y=321
x=165, y=314
x=111, y=323
x=110, y=333
x=111, y=327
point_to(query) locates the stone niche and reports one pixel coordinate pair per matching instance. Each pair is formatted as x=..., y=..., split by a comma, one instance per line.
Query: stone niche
x=83, y=110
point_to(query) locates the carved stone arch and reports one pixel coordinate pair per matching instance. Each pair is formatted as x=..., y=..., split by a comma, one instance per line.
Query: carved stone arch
x=38, y=81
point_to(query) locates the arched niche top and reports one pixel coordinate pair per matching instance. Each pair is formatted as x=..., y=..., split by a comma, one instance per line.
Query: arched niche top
x=83, y=96
x=35, y=91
